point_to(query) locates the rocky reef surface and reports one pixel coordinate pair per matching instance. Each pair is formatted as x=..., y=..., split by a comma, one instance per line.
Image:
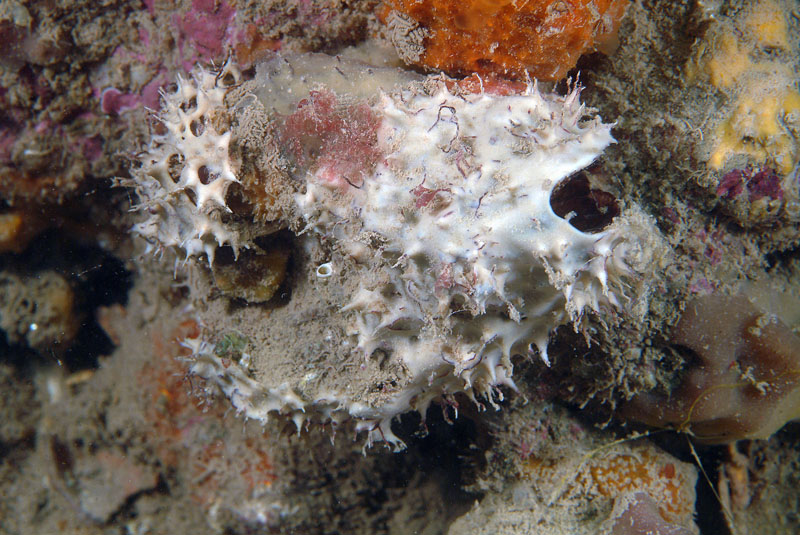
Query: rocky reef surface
x=386, y=267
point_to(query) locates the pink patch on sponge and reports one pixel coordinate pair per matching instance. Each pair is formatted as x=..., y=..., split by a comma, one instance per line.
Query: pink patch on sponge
x=337, y=141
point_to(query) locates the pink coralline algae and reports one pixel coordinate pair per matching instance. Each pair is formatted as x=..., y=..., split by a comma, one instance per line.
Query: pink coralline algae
x=713, y=251
x=701, y=286
x=206, y=26
x=731, y=185
x=643, y=518
x=113, y=101
x=90, y=147
x=150, y=6
x=7, y=140
x=765, y=183
x=760, y=183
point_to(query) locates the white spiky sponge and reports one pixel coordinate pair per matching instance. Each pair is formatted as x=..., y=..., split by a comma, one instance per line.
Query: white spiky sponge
x=440, y=199
x=186, y=170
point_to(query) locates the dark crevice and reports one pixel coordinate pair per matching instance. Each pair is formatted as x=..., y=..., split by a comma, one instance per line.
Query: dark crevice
x=97, y=278
x=587, y=209
x=446, y=448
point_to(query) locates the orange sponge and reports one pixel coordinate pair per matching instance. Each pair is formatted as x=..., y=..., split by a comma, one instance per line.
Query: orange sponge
x=505, y=37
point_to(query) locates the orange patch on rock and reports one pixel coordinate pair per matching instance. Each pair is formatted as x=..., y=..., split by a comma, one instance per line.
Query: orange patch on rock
x=17, y=229
x=254, y=47
x=505, y=37
x=170, y=406
x=618, y=473
x=189, y=433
